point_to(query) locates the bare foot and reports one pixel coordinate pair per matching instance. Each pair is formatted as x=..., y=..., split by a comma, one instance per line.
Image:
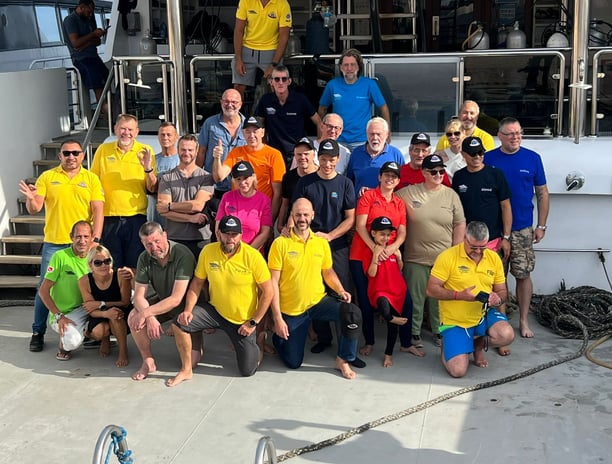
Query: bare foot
x=263, y=346
x=105, y=347
x=503, y=350
x=144, y=371
x=122, y=360
x=345, y=368
x=526, y=332
x=388, y=361
x=479, y=358
x=398, y=320
x=365, y=350
x=412, y=350
x=179, y=378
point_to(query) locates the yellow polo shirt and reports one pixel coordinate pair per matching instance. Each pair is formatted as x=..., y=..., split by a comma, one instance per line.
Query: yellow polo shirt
x=232, y=283
x=487, y=140
x=300, y=264
x=458, y=272
x=67, y=201
x=123, y=178
x=263, y=23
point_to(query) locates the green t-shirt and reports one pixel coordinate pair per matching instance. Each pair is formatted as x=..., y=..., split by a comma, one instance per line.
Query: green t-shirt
x=65, y=269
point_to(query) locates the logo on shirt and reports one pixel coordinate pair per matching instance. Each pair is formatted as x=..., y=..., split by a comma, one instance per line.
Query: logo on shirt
x=214, y=266
x=485, y=189
x=464, y=269
x=270, y=110
x=416, y=204
x=252, y=12
x=231, y=208
x=291, y=114
x=525, y=171
x=334, y=195
x=56, y=182
x=293, y=254
x=272, y=15
x=463, y=188
x=337, y=96
x=50, y=269
x=82, y=184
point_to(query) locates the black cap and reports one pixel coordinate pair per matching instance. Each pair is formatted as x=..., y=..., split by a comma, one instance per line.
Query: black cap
x=421, y=137
x=242, y=168
x=304, y=141
x=329, y=147
x=390, y=166
x=432, y=162
x=472, y=146
x=382, y=223
x=253, y=121
x=230, y=224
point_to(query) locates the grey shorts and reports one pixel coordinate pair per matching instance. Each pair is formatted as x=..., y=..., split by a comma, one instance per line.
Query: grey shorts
x=252, y=60
x=522, y=256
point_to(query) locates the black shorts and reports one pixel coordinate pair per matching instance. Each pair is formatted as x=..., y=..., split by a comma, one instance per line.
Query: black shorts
x=93, y=72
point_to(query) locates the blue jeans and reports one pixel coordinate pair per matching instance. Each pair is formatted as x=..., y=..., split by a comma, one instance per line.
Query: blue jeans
x=291, y=351
x=40, y=310
x=361, y=289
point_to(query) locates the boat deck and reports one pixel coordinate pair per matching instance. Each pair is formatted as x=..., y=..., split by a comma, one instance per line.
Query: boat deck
x=54, y=410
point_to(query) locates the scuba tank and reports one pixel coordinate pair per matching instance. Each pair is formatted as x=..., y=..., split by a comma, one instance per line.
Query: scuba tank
x=294, y=45
x=516, y=38
x=477, y=39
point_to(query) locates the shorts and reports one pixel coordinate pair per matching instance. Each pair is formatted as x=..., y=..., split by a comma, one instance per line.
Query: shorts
x=94, y=321
x=73, y=337
x=522, y=256
x=252, y=60
x=93, y=72
x=460, y=340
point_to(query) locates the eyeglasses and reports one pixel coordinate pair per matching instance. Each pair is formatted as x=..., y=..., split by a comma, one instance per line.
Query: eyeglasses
x=100, y=262
x=474, y=155
x=456, y=134
x=475, y=247
x=230, y=102
x=71, y=152
x=279, y=79
x=332, y=127
x=512, y=134
x=436, y=172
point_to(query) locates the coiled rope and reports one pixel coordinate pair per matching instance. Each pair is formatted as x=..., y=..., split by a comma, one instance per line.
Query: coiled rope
x=562, y=318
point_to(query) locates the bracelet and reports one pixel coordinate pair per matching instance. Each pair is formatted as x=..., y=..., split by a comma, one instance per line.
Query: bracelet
x=148, y=171
x=274, y=63
x=169, y=209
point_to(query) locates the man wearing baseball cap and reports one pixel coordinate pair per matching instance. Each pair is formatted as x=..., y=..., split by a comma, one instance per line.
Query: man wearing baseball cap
x=412, y=172
x=240, y=292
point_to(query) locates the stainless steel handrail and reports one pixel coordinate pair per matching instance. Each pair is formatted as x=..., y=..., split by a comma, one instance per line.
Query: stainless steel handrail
x=103, y=441
x=265, y=449
x=96, y=116
x=595, y=89
x=46, y=60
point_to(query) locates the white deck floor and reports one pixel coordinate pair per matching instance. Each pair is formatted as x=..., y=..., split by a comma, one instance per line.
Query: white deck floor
x=53, y=411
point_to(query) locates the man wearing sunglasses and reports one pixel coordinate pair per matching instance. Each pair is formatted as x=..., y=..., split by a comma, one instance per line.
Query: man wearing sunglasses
x=412, y=172
x=469, y=282
x=68, y=193
x=285, y=111
x=468, y=115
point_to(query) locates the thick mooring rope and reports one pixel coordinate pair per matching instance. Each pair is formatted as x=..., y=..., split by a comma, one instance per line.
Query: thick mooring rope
x=563, y=318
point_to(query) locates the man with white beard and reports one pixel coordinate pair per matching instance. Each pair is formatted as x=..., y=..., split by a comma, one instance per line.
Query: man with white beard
x=468, y=115
x=127, y=170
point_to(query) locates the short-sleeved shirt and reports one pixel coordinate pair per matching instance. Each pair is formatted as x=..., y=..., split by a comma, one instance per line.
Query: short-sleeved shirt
x=268, y=164
x=353, y=102
x=388, y=282
x=254, y=212
x=182, y=188
x=373, y=204
x=330, y=198
x=458, y=272
x=364, y=169
x=487, y=140
x=74, y=24
x=67, y=201
x=166, y=164
x=263, y=23
x=213, y=130
x=285, y=123
x=524, y=171
x=232, y=283
x=180, y=266
x=123, y=178
x=300, y=264
x=411, y=176
x=481, y=193
x=64, y=270
x=431, y=218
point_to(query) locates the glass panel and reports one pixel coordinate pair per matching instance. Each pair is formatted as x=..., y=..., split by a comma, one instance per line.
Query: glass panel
x=18, y=28
x=48, y=27
x=216, y=77
x=420, y=93
x=604, y=97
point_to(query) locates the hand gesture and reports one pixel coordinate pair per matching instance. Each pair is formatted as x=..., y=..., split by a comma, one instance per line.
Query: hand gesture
x=218, y=150
x=28, y=190
x=146, y=159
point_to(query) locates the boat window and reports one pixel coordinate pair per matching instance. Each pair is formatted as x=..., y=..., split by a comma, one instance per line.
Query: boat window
x=18, y=28
x=48, y=26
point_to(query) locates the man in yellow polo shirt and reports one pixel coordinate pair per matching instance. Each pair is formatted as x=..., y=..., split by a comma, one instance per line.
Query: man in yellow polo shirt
x=468, y=115
x=69, y=193
x=261, y=34
x=127, y=171
x=235, y=273
x=300, y=265
x=469, y=281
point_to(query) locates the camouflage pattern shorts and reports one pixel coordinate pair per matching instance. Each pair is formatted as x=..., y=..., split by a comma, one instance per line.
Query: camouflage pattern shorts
x=522, y=256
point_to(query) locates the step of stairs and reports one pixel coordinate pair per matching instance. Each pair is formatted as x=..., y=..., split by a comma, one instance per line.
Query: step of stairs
x=21, y=259
x=17, y=281
x=19, y=240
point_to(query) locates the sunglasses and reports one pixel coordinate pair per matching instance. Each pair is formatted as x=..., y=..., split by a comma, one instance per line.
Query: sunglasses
x=456, y=134
x=279, y=79
x=474, y=155
x=71, y=152
x=436, y=172
x=100, y=262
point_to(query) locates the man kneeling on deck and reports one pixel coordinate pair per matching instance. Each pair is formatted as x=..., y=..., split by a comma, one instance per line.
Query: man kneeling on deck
x=235, y=273
x=300, y=264
x=468, y=278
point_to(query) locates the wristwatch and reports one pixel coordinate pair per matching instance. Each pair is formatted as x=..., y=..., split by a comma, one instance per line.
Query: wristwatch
x=253, y=323
x=102, y=305
x=96, y=240
x=541, y=227
x=58, y=316
x=506, y=237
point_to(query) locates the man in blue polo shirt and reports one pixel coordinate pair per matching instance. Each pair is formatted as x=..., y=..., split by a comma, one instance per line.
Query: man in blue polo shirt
x=285, y=112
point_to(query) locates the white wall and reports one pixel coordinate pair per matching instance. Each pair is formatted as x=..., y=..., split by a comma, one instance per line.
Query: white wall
x=34, y=109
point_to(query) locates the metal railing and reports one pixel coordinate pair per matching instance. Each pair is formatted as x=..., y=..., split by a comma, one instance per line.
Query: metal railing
x=265, y=452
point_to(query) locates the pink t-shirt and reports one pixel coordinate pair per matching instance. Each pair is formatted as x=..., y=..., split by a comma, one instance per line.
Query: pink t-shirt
x=253, y=212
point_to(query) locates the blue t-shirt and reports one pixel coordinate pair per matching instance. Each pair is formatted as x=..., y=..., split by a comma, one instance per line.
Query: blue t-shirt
x=74, y=24
x=166, y=163
x=524, y=171
x=330, y=199
x=353, y=102
x=363, y=169
x=213, y=129
x=285, y=123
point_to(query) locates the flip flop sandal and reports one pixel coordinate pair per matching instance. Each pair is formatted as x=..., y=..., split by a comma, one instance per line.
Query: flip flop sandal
x=63, y=355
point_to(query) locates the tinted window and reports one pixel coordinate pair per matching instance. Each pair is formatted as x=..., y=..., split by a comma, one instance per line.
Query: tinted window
x=17, y=27
x=48, y=26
